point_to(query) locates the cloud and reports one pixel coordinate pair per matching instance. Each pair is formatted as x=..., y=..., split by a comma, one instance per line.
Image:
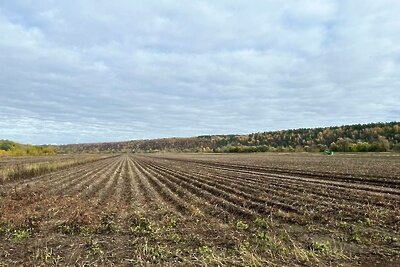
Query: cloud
x=99, y=71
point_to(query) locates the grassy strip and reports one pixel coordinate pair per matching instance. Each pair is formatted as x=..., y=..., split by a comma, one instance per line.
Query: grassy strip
x=27, y=170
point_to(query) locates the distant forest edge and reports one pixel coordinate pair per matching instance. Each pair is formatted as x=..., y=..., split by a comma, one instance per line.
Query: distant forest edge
x=373, y=137
x=10, y=148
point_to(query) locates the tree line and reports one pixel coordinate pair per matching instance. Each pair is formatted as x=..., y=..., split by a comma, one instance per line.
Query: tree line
x=373, y=137
x=10, y=148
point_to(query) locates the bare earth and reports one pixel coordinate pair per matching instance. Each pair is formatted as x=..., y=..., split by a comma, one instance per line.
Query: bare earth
x=206, y=210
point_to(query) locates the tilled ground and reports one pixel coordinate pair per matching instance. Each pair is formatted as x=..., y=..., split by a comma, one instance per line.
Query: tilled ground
x=167, y=209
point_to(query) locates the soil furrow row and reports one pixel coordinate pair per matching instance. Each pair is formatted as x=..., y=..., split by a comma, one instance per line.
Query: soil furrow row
x=232, y=204
x=93, y=185
x=68, y=184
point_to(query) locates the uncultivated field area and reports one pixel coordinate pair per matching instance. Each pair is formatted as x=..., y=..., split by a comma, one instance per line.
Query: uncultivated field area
x=204, y=210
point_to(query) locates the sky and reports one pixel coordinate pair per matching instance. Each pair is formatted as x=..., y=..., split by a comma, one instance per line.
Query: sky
x=83, y=71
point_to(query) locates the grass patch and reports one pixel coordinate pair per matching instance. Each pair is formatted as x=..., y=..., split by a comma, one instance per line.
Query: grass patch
x=19, y=232
x=27, y=170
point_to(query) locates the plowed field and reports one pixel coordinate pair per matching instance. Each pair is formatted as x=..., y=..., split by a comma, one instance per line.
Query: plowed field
x=206, y=210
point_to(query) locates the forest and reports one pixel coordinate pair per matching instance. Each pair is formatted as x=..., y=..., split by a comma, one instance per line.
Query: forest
x=372, y=137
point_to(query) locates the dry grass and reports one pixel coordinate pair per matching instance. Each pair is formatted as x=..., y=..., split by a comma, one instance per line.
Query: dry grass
x=26, y=170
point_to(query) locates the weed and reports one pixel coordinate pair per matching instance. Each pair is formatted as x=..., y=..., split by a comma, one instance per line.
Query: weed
x=93, y=247
x=176, y=238
x=261, y=223
x=69, y=229
x=342, y=225
x=172, y=223
x=140, y=226
x=5, y=229
x=362, y=219
x=242, y=226
x=23, y=231
x=272, y=244
x=47, y=256
x=107, y=224
x=158, y=252
x=31, y=224
x=73, y=229
x=388, y=239
x=261, y=235
x=21, y=234
x=152, y=252
x=248, y=257
x=209, y=256
x=354, y=236
x=205, y=250
x=320, y=247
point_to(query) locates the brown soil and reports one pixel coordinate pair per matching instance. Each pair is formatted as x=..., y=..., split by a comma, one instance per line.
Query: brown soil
x=206, y=210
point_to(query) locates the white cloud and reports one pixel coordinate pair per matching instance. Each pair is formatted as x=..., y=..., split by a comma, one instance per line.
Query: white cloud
x=99, y=70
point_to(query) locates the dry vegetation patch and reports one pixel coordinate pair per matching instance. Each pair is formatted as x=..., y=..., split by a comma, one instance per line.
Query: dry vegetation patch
x=17, y=169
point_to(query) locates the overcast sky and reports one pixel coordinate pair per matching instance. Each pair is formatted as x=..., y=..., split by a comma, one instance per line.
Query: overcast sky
x=90, y=71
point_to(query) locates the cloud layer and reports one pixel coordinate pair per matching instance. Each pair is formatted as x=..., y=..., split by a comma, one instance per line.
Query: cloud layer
x=90, y=71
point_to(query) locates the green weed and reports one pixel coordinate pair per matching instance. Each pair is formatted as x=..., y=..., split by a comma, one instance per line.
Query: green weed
x=354, y=236
x=241, y=225
x=21, y=234
x=261, y=223
x=140, y=226
x=74, y=229
x=320, y=247
x=205, y=250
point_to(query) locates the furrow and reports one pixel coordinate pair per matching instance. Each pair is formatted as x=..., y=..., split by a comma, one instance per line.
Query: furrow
x=231, y=204
x=93, y=185
x=160, y=193
x=67, y=185
x=166, y=193
x=106, y=188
